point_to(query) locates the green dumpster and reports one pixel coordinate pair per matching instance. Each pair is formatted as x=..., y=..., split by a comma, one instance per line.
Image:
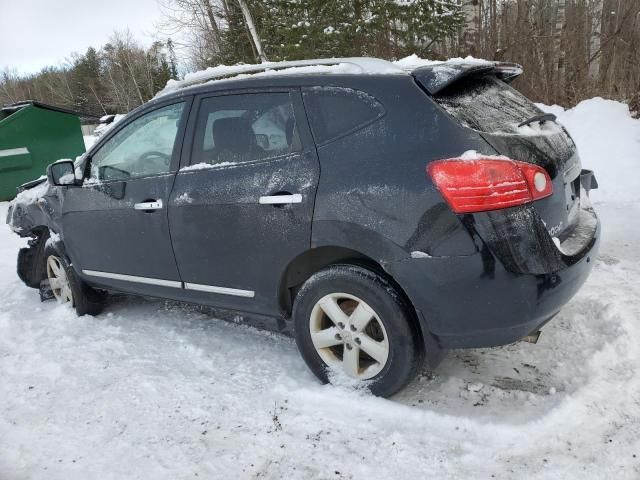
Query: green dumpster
x=33, y=135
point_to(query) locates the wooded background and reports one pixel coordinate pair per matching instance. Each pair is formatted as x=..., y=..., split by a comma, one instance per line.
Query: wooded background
x=570, y=49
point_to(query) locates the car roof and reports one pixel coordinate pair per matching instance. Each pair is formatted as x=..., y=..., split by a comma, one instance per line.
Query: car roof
x=349, y=72
x=341, y=73
x=269, y=70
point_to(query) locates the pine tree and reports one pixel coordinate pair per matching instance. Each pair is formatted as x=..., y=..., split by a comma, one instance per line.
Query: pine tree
x=173, y=61
x=88, y=89
x=334, y=28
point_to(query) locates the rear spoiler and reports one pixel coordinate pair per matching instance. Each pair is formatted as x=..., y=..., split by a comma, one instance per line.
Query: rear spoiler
x=436, y=78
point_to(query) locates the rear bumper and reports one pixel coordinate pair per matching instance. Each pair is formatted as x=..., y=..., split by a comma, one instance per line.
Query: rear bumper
x=482, y=300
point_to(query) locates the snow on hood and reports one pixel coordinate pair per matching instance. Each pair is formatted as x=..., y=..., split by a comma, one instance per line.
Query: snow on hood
x=33, y=194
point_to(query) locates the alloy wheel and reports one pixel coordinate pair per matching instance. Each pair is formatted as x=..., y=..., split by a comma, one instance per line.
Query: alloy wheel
x=348, y=335
x=58, y=280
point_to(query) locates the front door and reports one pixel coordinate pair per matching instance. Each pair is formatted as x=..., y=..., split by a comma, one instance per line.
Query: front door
x=242, y=205
x=115, y=226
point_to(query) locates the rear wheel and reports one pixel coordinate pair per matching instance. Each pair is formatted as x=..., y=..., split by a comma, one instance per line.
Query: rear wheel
x=67, y=287
x=348, y=335
x=350, y=320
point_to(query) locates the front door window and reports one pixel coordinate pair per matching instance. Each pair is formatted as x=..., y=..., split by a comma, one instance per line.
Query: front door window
x=142, y=148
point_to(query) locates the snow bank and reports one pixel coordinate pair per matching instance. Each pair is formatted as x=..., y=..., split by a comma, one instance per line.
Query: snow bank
x=90, y=140
x=608, y=141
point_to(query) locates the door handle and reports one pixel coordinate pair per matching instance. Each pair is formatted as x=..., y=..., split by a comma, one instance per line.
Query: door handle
x=281, y=199
x=148, y=206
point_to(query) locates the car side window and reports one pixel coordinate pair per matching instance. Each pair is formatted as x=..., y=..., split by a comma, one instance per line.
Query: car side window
x=334, y=111
x=243, y=128
x=142, y=148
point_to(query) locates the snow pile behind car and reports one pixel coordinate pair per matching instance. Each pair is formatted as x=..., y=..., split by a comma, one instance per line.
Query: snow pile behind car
x=608, y=140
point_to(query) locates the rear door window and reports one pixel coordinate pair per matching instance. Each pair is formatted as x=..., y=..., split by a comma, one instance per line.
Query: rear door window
x=244, y=128
x=336, y=111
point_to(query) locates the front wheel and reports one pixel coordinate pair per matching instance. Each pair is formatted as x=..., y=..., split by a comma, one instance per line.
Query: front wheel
x=353, y=321
x=67, y=287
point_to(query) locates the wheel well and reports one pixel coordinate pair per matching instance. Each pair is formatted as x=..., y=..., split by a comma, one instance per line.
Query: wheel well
x=30, y=266
x=316, y=259
x=310, y=262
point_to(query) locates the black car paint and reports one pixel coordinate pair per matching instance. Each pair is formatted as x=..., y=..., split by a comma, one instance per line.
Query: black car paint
x=256, y=239
x=374, y=204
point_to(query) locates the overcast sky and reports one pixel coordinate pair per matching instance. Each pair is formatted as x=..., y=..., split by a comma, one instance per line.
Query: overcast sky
x=37, y=33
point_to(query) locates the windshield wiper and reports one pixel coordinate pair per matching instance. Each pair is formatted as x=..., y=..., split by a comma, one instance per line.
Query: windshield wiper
x=544, y=117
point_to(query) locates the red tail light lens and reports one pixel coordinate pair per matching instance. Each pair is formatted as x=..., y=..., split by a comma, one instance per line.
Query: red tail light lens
x=485, y=184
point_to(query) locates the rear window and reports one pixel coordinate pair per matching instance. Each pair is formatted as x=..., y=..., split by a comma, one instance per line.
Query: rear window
x=489, y=105
x=335, y=111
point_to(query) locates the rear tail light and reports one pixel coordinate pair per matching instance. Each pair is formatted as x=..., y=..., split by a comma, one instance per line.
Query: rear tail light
x=486, y=183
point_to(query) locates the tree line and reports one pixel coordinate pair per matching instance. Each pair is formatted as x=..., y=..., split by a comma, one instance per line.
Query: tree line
x=115, y=78
x=570, y=49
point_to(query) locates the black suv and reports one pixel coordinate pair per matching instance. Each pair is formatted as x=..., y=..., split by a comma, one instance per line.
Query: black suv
x=384, y=214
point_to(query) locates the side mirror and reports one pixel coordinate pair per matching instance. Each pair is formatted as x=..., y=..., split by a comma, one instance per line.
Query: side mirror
x=61, y=173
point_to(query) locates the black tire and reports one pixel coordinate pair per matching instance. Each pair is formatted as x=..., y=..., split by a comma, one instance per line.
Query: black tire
x=406, y=350
x=86, y=300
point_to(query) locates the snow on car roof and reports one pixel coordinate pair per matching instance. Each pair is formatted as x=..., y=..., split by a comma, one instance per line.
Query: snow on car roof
x=346, y=66
x=354, y=65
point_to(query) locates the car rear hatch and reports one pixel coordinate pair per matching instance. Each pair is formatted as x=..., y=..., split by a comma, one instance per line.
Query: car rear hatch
x=478, y=97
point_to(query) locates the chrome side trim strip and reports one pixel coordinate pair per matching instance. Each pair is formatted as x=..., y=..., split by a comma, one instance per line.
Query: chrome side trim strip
x=171, y=283
x=222, y=290
x=14, y=151
x=134, y=278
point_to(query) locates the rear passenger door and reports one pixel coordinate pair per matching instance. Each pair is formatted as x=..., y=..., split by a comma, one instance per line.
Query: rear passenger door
x=242, y=203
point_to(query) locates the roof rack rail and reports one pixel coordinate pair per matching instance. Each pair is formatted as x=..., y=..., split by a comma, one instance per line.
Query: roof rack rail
x=360, y=65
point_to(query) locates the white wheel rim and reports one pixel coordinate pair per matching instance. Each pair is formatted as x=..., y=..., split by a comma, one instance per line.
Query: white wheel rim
x=349, y=336
x=58, y=280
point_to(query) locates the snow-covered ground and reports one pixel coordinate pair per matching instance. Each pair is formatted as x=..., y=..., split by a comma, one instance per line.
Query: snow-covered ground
x=153, y=389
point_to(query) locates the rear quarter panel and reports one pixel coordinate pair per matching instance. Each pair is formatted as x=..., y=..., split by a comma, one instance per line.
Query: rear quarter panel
x=374, y=194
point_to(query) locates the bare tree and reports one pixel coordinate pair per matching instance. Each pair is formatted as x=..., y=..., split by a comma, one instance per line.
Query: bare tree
x=471, y=9
x=570, y=49
x=558, y=39
x=197, y=27
x=593, y=59
x=252, y=30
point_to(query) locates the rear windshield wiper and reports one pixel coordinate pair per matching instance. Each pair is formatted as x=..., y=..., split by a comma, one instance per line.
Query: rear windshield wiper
x=544, y=117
